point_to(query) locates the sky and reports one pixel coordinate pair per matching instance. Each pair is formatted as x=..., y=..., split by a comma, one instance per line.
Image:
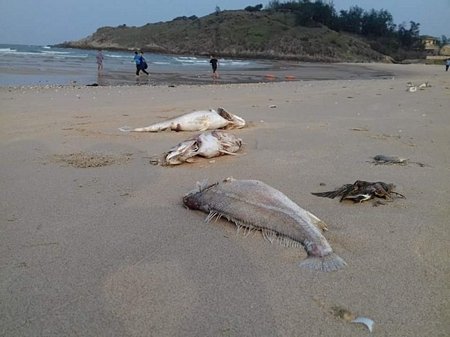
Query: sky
x=42, y=22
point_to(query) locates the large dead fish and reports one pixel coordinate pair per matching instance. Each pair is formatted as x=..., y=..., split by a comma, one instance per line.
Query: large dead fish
x=255, y=205
x=195, y=121
x=207, y=144
x=361, y=191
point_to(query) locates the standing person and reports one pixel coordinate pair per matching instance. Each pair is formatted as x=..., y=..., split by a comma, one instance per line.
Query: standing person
x=447, y=64
x=214, y=63
x=99, y=58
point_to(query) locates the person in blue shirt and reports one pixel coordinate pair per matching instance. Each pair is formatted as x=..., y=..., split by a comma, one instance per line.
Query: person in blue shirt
x=140, y=63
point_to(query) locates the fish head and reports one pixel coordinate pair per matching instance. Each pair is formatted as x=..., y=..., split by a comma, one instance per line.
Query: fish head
x=196, y=199
x=228, y=141
x=182, y=152
x=234, y=121
x=192, y=200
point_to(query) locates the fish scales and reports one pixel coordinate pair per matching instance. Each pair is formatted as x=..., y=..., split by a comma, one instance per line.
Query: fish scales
x=254, y=204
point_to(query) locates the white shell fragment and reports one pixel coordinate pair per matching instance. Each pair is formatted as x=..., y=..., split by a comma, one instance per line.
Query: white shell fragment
x=364, y=320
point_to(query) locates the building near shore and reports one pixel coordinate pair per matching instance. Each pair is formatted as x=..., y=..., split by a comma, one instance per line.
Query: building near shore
x=430, y=44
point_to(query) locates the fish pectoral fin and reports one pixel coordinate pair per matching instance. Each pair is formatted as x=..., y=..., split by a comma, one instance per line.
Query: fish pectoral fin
x=226, y=152
x=204, y=126
x=204, y=123
x=317, y=222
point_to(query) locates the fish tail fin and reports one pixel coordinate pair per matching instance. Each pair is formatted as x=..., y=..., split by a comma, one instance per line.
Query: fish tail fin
x=330, y=262
x=126, y=129
x=130, y=129
x=146, y=129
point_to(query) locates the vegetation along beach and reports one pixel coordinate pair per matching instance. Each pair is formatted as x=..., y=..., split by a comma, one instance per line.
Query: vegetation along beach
x=108, y=229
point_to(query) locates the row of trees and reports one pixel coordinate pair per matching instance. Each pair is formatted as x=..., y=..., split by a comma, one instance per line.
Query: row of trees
x=374, y=24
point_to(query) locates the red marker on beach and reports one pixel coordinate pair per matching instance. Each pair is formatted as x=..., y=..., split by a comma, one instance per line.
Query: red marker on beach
x=270, y=77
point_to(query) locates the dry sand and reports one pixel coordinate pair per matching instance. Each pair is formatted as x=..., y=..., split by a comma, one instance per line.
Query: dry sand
x=94, y=240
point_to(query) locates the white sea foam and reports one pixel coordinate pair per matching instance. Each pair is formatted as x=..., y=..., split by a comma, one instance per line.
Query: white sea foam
x=7, y=50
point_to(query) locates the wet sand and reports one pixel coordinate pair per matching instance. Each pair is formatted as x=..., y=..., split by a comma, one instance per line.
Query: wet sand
x=267, y=71
x=95, y=240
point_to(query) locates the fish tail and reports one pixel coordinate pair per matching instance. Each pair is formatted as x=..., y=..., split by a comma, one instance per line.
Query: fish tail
x=146, y=129
x=330, y=262
x=126, y=129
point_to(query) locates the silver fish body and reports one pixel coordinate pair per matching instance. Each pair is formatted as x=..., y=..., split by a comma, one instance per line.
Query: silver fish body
x=195, y=121
x=383, y=159
x=208, y=144
x=255, y=205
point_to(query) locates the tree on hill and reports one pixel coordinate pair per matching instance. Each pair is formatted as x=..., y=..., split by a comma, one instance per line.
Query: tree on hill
x=375, y=25
x=351, y=20
x=256, y=8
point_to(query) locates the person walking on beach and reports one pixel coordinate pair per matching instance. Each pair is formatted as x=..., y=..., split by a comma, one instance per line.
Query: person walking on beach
x=141, y=64
x=447, y=64
x=214, y=63
x=99, y=58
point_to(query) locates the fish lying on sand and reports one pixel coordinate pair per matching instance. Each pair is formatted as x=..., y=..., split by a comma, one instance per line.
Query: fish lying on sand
x=387, y=160
x=411, y=87
x=361, y=191
x=381, y=159
x=208, y=144
x=254, y=205
x=195, y=121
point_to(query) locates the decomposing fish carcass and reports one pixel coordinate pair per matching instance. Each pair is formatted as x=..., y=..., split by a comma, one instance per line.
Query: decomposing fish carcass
x=195, y=121
x=207, y=144
x=361, y=191
x=381, y=159
x=254, y=205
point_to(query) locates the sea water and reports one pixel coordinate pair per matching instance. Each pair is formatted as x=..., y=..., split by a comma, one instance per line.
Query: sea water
x=48, y=65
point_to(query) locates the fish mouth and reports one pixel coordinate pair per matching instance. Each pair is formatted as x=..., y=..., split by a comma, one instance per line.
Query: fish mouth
x=236, y=121
x=181, y=152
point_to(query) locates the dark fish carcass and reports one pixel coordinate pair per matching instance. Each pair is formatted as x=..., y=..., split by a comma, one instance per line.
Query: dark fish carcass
x=255, y=205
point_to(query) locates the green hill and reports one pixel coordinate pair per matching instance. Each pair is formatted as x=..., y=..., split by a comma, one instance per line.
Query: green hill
x=243, y=34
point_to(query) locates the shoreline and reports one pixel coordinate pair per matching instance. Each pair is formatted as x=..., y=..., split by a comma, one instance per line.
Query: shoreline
x=110, y=250
x=160, y=75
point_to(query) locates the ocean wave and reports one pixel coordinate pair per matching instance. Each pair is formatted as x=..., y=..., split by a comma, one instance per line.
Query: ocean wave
x=54, y=52
x=7, y=50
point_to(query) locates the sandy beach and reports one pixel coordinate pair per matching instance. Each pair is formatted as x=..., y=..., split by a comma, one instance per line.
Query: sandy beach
x=95, y=241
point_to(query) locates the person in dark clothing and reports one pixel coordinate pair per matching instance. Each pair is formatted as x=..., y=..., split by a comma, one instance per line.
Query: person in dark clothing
x=141, y=64
x=214, y=63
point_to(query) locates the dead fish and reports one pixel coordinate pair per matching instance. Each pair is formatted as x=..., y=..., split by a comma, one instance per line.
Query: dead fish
x=207, y=144
x=424, y=85
x=254, y=205
x=195, y=121
x=361, y=191
x=411, y=87
x=381, y=159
